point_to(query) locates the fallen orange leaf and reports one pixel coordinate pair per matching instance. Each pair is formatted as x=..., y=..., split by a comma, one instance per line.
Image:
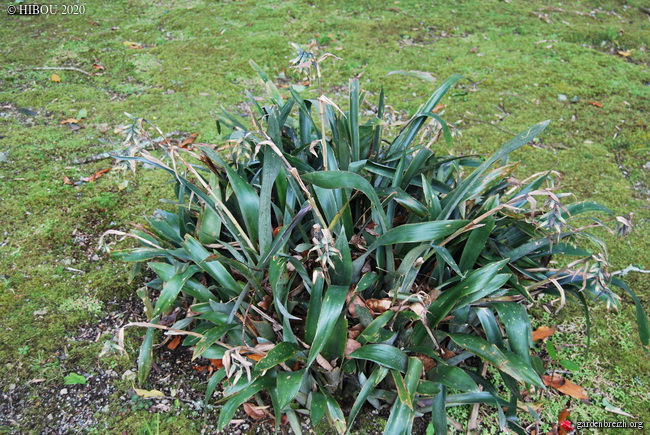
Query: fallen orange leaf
x=255, y=357
x=565, y=387
x=543, y=332
x=66, y=180
x=174, y=343
x=189, y=140
x=69, y=121
x=626, y=53
x=98, y=66
x=55, y=78
x=98, y=174
x=134, y=45
x=438, y=108
x=216, y=363
x=596, y=103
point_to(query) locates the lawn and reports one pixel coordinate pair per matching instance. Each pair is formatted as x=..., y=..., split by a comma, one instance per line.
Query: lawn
x=583, y=64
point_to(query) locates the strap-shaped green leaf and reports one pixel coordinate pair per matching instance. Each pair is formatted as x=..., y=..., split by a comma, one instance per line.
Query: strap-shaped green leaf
x=270, y=170
x=520, y=335
x=139, y=254
x=210, y=337
x=478, y=284
x=334, y=413
x=228, y=410
x=199, y=255
x=317, y=406
x=452, y=377
x=280, y=353
x=420, y=232
x=439, y=411
x=348, y=180
x=330, y=311
x=383, y=354
x=508, y=363
x=271, y=89
x=342, y=273
x=315, y=304
x=490, y=326
x=460, y=193
x=378, y=375
x=171, y=289
x=247, y=199
x=407, y=136
x=403, y=411
x=353, y=119
x=641, y=316
x=288, y=385
x=475, y=244
x=370, y=334
x=278, y=279
x=213, y=383
x=145, y=358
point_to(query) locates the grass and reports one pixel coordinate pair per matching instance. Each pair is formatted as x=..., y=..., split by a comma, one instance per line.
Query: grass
x=517, y=63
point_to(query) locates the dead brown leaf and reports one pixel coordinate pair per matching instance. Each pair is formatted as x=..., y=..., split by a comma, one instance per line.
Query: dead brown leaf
x=596, y=103
x=543, y=332
x=55, y=78
x=254, y=412
x=66, y=180
x=565, y=387
x=351, y=346
x=98, y=66
x=428, y=362
x=96, y=175
x=174, y=343
x=216, y=363
x=447, y=353
x=69, y=121
x=562, y=417
x=379, y=305
x=355, y=331
x=370, y=228
x=189, y=140
x=133, y=45
x=352, y=305
x=255, y=356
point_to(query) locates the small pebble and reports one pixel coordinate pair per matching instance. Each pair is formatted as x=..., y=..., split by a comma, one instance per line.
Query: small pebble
x=64, y=392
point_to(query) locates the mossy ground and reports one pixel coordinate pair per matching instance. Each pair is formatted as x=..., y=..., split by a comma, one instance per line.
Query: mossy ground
x=520, y=56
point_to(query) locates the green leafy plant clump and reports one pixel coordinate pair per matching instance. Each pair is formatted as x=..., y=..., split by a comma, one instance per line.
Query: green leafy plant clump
x=331, y=260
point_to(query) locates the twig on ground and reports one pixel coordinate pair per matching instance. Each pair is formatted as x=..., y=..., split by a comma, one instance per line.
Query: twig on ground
x=69, y=68
x=488, y=123
x=146, y=145
x=629, y=269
